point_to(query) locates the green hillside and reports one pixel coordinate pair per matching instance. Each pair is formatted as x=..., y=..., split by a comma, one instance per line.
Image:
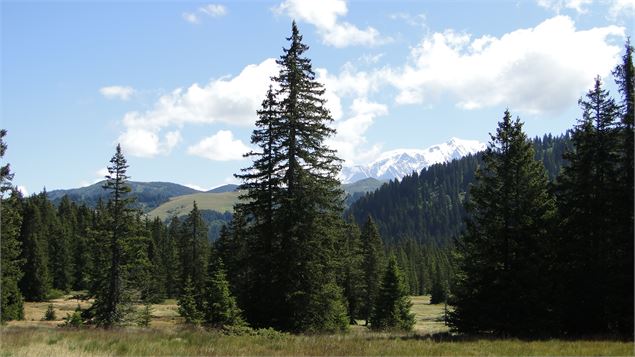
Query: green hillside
x=182, y=205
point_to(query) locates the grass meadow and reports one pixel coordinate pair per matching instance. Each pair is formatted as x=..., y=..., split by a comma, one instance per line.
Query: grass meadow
x=167, y=336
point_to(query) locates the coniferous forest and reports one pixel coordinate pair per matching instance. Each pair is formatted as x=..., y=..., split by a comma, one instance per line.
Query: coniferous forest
x=531, y=238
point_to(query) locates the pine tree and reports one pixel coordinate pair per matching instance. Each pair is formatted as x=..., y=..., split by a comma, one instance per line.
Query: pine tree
x=170, y=259
x=372, y=266
x=36, y=280
x=193, y=249
x=503, y=280
x=307, y=201
x=112, y=300
x=391, y=308
x=438, y=292
x=188, y=306
x=11, y=305
x=220, y=305
x=589, y=216
x=60, y=237
x=622, y=272
x=350, y=275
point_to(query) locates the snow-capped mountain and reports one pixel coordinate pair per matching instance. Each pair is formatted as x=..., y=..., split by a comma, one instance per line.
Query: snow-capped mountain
x=401, y=162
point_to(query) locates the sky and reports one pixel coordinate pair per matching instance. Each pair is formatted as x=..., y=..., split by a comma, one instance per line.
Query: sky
x=178, y=83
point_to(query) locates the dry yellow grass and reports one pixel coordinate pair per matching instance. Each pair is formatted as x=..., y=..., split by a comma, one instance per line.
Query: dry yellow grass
x=167, y=336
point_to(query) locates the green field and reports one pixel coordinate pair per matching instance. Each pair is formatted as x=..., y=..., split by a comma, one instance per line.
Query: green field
x=182, y=205
x=167, y=336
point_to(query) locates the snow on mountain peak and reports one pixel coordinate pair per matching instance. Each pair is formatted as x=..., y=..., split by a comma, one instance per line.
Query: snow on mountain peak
x=395, y=164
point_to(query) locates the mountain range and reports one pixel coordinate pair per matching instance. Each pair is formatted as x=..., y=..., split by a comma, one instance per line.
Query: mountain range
x=396, y=164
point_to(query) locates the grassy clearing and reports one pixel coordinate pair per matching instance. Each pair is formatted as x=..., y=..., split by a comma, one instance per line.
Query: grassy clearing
x=168, y=337
x=181, y=205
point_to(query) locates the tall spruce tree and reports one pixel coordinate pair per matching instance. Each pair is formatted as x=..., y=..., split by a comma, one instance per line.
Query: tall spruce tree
x=307, y=200
x=372, y=267
x=193, y=252
x=350, y=275
x=503, y=280
x=391, y=308
x=36, y=280
x=11, y=305
x=112, y=298
x=622, y=284
x=590, y=240
x=220, y=308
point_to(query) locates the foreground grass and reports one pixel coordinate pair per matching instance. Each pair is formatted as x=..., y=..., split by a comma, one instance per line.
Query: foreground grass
x=154, y=342
x=167, y=336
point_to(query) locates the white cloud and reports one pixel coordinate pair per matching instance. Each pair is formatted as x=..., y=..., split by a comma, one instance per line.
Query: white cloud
x=558, y=5
x=622, y=8
x=418, y=20
x=324, y=16
x=23, y=190
x=350, y=141
x=190, y=17
x=117, y=92
x=220, y=147
x=101, y=174
x=225, y=100
x=214, y=10
x=534, y=70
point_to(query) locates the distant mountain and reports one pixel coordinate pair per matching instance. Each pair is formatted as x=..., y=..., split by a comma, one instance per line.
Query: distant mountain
x=149, y=194
x=225, y=188
x=396, y=164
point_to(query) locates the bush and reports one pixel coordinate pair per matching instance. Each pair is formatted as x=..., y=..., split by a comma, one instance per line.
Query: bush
x=54, y=294
x=49, y=315
x=145, y=316
x=73, y=320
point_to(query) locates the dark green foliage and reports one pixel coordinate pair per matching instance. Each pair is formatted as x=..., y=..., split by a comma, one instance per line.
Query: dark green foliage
x=74, y=320
x=503, y=282
x=193, y=249
x=596, y=243
x=372, y=267
x=49, y=315
x=188, y=306
x=350, y=275
x=220, y=307
x=622, y=262
x=391, y=308
x=11, y=306
x=36, y=281
x=439, y=290
x=293, y=205
x=114, y=291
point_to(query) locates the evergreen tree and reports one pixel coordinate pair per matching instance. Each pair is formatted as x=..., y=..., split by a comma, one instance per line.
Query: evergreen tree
x=589, y=242
x=193, y=249
x=60, y=238
x=438, y=292
x=188, y=306
x=622, y=264
x=372, y=266
x=300, y=198
x=503, y=282
x=392, y=304
x=112, y=298
x=36, y=280
x=171, y=262
x=350, y=275
x=80, y=248
x=11, y=305
x=220, y=305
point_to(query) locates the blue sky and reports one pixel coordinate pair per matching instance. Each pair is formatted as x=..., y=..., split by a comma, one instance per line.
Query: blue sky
x=178, y=83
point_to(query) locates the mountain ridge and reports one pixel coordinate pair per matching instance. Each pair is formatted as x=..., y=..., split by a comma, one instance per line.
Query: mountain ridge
x=397, y=163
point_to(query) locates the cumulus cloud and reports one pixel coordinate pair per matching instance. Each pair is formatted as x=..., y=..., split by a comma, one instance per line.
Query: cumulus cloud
x=350, y=141
x=225, y=100
x=534, y=70
x=324, y=16
x=220, y=147
x=117, y=92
